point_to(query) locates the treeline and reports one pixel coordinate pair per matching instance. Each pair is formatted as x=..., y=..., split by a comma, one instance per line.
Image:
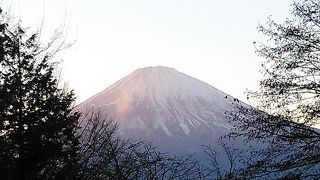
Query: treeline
x=43, y=137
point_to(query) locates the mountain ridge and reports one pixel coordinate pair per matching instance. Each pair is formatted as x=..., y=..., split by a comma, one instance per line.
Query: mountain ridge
x=166, y=106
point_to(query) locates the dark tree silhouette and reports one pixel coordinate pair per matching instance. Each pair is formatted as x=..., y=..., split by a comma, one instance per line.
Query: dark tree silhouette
x=290, y=94
x=37, y=131
x=104, y=155
x=227, y=169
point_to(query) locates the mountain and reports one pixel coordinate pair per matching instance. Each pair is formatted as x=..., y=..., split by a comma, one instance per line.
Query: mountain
x=160, y=104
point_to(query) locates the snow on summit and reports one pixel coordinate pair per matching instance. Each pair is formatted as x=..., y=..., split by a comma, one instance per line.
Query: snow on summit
x=160, y=82
x=165, y=106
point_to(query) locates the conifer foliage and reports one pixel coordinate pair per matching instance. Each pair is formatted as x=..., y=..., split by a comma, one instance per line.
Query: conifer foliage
x=37, y=128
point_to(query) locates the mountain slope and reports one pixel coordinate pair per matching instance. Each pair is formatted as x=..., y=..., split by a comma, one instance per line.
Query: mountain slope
x=175, y=111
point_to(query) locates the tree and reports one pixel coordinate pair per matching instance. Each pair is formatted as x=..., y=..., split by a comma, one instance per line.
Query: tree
x=104, y=155
x=224, y=169
x=37, y=128
x=289, y=98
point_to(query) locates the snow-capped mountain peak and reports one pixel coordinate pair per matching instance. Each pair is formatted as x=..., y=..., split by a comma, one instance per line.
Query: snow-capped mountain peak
x=155, y=103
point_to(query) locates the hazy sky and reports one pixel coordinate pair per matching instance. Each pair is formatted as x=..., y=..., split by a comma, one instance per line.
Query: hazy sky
x=210, y=40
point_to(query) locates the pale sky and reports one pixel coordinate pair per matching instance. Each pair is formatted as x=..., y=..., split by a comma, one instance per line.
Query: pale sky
x=211, y=40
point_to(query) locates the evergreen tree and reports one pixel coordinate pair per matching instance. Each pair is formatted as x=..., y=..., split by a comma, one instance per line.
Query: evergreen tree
x=37, y=128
